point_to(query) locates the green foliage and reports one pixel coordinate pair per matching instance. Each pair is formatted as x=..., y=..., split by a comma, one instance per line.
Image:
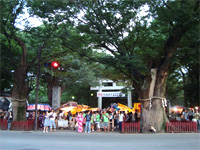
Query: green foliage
x=42, y=95
x=187, y=59
x=175, y=89
x=75, y=32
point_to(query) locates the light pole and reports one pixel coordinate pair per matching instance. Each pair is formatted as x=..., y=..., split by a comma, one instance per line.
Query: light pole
x=37, y=86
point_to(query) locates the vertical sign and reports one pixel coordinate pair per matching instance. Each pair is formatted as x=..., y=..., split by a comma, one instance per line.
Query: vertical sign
x=56, y=97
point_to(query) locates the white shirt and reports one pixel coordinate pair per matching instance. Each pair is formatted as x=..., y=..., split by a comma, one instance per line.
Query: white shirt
x=61, y=115
x=53, y=116
x=121, y=117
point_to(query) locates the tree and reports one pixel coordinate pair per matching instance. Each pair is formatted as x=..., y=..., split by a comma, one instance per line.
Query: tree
x=75, y=78
x=21, y=49
x=183, y=83
x=143, y=50
x=11, y=34
x=190, y=68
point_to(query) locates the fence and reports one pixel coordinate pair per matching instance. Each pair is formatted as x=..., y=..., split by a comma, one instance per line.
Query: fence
x=181, y=126
x=132, y=127
x=3, y=124
x=18, y=125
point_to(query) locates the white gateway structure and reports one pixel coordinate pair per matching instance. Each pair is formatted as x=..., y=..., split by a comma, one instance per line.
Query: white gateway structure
x=108, y=85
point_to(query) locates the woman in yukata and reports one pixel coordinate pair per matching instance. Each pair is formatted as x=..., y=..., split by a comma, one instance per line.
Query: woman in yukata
x=80, y=120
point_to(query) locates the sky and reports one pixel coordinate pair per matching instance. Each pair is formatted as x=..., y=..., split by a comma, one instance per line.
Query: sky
x=22, y=19
x=34, y=21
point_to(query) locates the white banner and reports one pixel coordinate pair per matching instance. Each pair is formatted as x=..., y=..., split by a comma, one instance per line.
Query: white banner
x=110, y=94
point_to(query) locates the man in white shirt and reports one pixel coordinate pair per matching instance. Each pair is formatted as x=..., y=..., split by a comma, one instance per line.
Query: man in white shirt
x=52, y=117
x=121, y=119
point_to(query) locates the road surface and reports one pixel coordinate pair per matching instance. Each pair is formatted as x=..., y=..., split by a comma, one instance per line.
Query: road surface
x=71, y=140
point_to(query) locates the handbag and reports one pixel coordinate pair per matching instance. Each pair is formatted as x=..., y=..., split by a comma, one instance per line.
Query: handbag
x=9, y=121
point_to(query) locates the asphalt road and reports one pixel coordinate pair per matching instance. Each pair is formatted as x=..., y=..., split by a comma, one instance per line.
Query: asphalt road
x=71, y=140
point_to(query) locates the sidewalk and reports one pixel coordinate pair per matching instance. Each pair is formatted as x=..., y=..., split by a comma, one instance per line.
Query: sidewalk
x=95, y=132
x=75, y=131
x=72, y=140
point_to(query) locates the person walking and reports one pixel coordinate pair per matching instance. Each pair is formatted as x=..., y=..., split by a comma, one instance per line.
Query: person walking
x=10, y=119
x=46, y=122
x=80, y=120
x=52, y=117
x=87, y=122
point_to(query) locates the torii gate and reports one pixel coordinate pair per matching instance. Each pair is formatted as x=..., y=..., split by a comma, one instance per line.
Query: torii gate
x=101, y=94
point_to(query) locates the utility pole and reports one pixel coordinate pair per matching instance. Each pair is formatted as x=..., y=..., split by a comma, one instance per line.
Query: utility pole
x=37, y=86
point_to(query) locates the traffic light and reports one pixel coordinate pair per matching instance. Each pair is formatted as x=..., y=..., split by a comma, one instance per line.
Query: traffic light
x=47, y=64
x=55, y=64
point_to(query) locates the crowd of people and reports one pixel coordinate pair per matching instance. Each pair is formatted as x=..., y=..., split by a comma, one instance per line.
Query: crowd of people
x=90, y=121
x=87, y=121
x=190, y=115
x=186, y=115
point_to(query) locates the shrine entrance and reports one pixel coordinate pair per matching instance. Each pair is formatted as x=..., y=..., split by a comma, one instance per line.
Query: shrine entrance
x=109, y=89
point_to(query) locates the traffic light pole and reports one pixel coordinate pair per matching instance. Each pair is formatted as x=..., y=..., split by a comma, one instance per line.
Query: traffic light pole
x=37, y=86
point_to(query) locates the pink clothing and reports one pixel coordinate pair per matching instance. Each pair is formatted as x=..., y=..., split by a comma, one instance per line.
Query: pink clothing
x=80, y=120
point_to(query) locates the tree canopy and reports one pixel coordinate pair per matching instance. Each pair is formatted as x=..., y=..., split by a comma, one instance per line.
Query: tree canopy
x=144, y=42
x=138, y=42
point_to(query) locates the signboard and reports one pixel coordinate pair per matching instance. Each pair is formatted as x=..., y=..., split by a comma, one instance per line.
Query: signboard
x=110, y=94
x=137, y=105
x=56, y=97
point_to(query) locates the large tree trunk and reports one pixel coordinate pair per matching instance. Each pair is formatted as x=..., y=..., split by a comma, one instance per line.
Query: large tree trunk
x=184, y=89
x=153, y=115
x=19, y=94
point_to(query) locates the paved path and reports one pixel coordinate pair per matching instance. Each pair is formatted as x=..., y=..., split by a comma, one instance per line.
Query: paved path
x=71, y=140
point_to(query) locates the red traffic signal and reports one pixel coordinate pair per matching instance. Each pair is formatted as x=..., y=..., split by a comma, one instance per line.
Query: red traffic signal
x=55, y=64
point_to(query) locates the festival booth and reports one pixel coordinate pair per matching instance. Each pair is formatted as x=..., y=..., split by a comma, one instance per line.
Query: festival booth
x=65, y=109
x=5, y=104
x=129, y=127
x=177, y=109
x=70, y=103
x=137, y=106
x=41, y=107
x=124, y=108
x=69, y=107
x=73, y=108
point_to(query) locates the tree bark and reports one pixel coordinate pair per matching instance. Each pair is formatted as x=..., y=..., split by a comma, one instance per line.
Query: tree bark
x=153, y=115
x=19, y=94
x=184, y=88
